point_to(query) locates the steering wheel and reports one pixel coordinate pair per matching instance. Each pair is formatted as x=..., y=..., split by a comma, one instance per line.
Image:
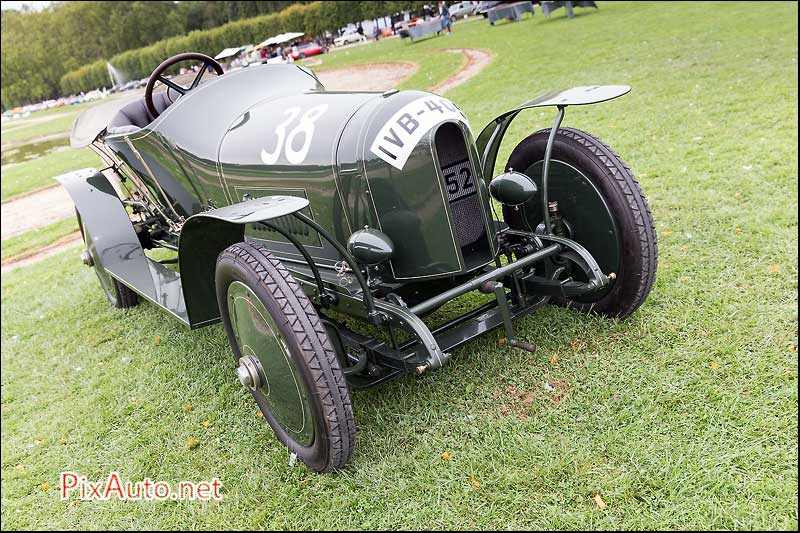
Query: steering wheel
x=158, y=75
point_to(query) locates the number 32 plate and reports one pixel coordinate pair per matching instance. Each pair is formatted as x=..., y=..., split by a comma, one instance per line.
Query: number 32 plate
x=401, y=133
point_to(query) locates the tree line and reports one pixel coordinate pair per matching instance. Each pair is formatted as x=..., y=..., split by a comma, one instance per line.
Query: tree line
x=65, y=48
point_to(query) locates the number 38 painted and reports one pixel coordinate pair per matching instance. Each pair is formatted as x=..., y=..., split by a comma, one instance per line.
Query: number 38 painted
x=304, y=127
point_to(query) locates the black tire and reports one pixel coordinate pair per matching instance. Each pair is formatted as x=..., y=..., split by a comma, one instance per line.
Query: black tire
x=626, y=202
x=119, y=295
x=123, y=297
x=311, y=351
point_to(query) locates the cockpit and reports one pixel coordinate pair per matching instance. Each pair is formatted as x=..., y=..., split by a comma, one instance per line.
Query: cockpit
x=141, y=112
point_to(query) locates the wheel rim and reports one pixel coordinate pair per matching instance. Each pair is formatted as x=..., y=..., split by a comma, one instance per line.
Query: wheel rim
x=281, y=393
x=585, y=210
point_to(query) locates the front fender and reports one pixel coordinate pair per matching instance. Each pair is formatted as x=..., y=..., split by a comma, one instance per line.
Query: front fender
x=206, y=234
x=488, y=141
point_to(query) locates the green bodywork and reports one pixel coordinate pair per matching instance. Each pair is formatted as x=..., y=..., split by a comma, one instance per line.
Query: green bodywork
x=267, y=154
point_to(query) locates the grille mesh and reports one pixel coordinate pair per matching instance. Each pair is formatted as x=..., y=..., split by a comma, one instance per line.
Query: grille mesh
x=460, y=184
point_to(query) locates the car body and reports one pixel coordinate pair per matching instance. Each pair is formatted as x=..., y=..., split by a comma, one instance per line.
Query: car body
x=289, y=206
x=462, y=10
x=349, y=38
x=306, y=49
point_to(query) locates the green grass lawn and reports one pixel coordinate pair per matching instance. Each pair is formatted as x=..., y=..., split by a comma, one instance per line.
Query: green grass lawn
x=38, y=238
x=49, y=121
x=32, y=129
x=30, y=176
x=24, y=178
x=433, y=68
x=684, y=416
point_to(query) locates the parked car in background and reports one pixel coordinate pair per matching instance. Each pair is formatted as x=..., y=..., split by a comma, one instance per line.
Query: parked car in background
x=306, y=49
x=96, y=94
x=462, y=10
x=349, y=38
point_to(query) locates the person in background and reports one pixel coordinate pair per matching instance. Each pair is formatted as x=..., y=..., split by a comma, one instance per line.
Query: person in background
x=445, y=14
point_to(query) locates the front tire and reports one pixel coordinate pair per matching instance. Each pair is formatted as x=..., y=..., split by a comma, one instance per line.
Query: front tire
x=594, y=188
x=294, y=374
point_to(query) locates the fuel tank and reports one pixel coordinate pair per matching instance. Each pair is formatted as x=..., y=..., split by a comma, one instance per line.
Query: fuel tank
x=402, y=162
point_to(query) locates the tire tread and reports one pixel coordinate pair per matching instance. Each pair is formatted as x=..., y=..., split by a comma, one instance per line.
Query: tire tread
x=302, y=318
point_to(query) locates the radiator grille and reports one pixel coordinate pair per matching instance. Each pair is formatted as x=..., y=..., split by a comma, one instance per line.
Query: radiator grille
x=459, y=182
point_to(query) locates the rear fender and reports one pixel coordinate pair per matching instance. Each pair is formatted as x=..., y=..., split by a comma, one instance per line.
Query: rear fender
x=205, y=235
x=107, y=222
x=488, y=141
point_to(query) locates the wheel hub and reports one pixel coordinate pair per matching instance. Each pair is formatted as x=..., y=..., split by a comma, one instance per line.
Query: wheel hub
x=86, y=258
x=248, y=372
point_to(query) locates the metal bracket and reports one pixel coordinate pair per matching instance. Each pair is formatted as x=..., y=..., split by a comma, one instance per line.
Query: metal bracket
x=373, y=315
x=546, y=168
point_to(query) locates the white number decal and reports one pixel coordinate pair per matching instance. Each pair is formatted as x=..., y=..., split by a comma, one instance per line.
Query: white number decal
x=401, y=133
x=270, y=158
x=304, y=127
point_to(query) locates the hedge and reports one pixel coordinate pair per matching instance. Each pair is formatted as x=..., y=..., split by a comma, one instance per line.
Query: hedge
x=139, y=63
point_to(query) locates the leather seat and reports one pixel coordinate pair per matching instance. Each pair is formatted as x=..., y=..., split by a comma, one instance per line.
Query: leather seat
x=135, y=115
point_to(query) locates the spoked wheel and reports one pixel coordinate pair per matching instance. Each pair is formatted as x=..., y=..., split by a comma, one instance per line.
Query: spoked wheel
x=284, y=356
x=118, y=294
x=602, y=208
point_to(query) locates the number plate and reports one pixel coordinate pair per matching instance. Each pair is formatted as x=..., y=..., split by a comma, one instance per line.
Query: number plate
x=458, y=180
x=401, y=133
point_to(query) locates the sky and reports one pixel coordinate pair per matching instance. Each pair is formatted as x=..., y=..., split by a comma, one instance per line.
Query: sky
x=18, y=5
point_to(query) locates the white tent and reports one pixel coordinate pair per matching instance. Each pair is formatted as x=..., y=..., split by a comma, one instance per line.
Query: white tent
x=228, y=52
x=282, y=38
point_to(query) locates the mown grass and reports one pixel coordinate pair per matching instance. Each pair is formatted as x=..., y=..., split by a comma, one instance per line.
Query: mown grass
x=683, y=416
x=24, y=178
x=59, y=119
x=38, y=238
x=31, y=129
x=433, y=68
x=30, y=176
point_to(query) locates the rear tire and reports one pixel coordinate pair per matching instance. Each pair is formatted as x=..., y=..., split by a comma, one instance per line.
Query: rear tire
x=119, y=295
x=249, y=273
x=638, y=258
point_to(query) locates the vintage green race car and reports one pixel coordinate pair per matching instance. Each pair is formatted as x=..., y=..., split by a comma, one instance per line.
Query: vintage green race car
x=297, y=212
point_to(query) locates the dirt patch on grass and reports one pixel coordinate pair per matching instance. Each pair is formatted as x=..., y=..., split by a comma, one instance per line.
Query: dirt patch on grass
x=521, y=402
x=385, y=76
x=475, y=62
x=35, y=210
x=373, y=77
x=34, y=256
